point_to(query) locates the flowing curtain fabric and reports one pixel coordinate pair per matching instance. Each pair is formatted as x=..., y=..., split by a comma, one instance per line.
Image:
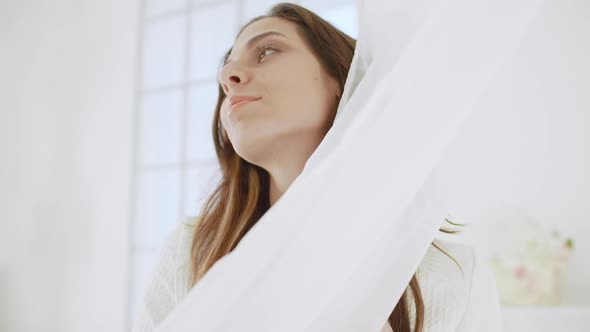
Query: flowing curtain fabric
x=336, y=252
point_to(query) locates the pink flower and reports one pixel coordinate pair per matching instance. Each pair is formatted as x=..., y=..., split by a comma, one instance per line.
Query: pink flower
x=520, y=272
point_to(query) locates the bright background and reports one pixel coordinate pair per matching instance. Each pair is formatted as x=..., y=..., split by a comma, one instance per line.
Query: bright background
x=105, y=116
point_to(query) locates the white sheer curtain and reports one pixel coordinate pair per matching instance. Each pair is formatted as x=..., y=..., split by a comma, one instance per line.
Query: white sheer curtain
x=342, y=243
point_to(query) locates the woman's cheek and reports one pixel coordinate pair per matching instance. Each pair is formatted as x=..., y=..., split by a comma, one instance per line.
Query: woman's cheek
x=224, y=109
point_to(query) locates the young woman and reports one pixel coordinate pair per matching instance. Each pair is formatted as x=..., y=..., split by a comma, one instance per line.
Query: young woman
x=279, y=88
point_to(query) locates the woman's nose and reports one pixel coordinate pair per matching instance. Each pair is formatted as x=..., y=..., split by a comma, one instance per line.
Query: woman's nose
x=230, y=77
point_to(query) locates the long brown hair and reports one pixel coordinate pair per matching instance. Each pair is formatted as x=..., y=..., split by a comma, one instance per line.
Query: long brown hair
x=242, y=195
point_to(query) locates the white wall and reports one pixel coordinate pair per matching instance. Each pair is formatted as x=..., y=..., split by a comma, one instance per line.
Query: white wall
x=526, y=151
x=67, y=105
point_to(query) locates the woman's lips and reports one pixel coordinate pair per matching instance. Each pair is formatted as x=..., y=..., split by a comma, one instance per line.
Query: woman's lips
x=240, y=103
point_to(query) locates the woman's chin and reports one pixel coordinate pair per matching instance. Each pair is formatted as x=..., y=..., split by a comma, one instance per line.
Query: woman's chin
x=250, y=150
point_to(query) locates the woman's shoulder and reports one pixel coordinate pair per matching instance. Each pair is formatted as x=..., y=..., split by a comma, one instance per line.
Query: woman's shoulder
x=175, y=260
x=174, y=249
x=191, y=221
x=456, y=259
x=170, y=277
x=461, y=300
x=179, y=234
x=183, y=234
x=449, y=264
x=445, y=282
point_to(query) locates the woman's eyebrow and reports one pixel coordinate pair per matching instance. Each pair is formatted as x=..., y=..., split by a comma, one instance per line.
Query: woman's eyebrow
x=254, y=39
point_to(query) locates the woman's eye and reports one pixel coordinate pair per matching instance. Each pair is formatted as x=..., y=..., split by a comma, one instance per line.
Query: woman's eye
x=262, y=51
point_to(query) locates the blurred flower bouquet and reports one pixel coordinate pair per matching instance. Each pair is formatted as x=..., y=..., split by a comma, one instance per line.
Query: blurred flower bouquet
x=530, y=269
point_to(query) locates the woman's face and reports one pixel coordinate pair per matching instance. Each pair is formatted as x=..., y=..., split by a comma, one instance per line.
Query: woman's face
x=296, y=97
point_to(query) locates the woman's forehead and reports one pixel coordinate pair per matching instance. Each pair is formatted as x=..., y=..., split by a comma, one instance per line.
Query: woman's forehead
x=267, y=24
